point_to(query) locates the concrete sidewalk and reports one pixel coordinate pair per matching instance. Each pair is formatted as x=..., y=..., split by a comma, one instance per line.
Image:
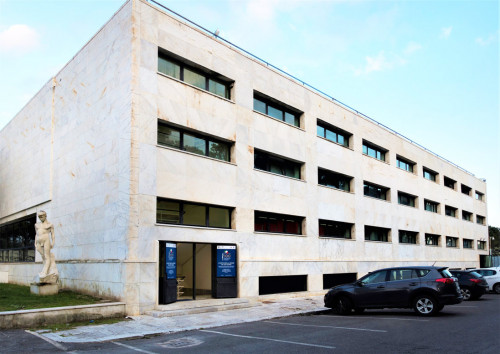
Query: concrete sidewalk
x=145, y=325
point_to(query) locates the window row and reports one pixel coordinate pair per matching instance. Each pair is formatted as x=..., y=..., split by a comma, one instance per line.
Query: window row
x=177, y=212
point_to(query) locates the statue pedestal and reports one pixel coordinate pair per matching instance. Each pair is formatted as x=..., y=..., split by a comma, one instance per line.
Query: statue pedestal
x=44, y=289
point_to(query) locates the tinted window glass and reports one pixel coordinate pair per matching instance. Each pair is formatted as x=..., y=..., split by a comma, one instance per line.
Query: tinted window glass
x=376, y=277
x=218, y=217
x=194, y=214
x=402, y=274
x=194, y=144
x=169, y=136
x=168, y=212
x=218, y=150
x=259, y=106
x=445, y=273
x=194, y=78
x=423, y=272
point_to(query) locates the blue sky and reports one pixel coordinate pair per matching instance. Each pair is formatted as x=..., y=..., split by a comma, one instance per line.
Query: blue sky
x=427, y=69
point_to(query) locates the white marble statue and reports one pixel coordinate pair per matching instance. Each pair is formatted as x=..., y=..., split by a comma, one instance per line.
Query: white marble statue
x=44, y=242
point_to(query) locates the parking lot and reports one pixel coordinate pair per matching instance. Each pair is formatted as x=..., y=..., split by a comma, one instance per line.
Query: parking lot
x=470, y=327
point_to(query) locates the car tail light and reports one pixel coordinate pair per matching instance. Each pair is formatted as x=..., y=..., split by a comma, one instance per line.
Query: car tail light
x=445, y=280
x=477, y=281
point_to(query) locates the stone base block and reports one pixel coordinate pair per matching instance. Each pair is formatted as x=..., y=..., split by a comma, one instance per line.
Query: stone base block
x=44, y=289
x=4, y=277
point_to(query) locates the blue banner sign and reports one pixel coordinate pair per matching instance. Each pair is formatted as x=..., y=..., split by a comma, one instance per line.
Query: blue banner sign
x=171, y=261
x=226, y=261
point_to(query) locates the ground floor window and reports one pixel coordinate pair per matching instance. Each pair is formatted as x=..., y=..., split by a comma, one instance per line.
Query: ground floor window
x=169, y=211
x=334, y=279
x=17, y=240
x=282, y=284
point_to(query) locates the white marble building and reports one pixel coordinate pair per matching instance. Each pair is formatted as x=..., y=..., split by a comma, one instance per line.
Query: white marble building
x=151, y=135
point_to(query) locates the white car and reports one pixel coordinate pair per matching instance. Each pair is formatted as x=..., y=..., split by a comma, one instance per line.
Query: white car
x=492, y=277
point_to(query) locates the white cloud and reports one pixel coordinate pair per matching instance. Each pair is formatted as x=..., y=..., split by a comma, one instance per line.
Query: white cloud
x=485, y=41
x=445, y=32
x=412, y=47
x=18, y=39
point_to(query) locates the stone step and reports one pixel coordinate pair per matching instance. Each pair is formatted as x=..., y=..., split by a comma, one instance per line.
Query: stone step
x=181, y=308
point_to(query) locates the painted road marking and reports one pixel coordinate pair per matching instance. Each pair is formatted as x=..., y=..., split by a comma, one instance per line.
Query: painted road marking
x=48, y=340
x=270, y=339
x=133, y=348
x=317, y=326
x=379, y=318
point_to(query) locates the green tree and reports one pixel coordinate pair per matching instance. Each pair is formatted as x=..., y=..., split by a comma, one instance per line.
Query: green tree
x=494, y=235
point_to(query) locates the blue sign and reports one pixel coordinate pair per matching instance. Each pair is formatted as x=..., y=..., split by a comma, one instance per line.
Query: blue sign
x=171, y=261
x=226, y=261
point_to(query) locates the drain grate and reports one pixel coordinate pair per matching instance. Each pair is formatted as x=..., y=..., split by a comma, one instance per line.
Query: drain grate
x=185, y=342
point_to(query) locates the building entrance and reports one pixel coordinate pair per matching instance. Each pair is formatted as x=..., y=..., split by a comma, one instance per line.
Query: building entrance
x=195, y=271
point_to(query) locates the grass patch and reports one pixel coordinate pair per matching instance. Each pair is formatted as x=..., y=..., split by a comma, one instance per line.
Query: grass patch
x=18, y=297
x=67, y=326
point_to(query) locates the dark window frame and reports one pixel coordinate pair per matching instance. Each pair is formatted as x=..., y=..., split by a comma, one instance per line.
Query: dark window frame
x=466, y=215
x=181, y=211
x=448, y=209
x=282, y=217
x=434, y=206
x=432, y=239
x=325, y=175
x=466, y=189
x=378, y=151
x=285, y=109
x=449, y=182
x=468, y=243
x=404, y=164
x=208, y=74
x=382, y=233
x=479, y=196
x=370, y=190
x=451, y=242
x=430, y=175
x=408, y=237
x=410, y=197
x=207, y=138
x=271, y=160
x=481, y=220
x=18, y=237
x=327, y=127
x=332, y=224
x=481, y=245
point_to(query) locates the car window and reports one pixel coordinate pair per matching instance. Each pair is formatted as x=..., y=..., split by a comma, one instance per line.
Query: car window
x=375, y=277
x=423, y=272
x=402, y=274
x=476, y=274
x=445, y=273
x=487, y=272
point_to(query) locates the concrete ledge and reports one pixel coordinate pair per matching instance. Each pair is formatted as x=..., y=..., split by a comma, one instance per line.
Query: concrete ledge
x=67, y=314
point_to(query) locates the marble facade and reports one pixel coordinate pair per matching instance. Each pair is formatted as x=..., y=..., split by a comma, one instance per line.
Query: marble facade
x=96, y=123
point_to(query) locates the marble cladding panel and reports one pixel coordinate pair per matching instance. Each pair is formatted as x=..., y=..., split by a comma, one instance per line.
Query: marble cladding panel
x=248, y=286
x=148, y=169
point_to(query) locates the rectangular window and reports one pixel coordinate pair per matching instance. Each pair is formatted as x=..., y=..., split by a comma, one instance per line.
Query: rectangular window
x=169, y=211
x=404, y=164
x=375, y=191
x=276, y=109
x=337, y=229
x=332, y=133
x=267, y=162
x=431, y=206
x=451, y=241
x=466, y=215
x=374, y=151
x=430, y=175
x=333, y=179
x=450, y=211
x=480, y=219
x=450, y=183
x=468, y=243
x=408, y=237
x=373, y=233
x=184, y=70
x=431, y=240
x=406, y=199
x=277, y=223
x=17, y=240
x=193, y=142
x=479, y=196
x=466, y=189
x=481, y=245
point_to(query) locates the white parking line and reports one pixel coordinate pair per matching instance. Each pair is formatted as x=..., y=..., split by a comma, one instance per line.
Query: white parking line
x=379, y=318
x=316, y=326
x=133, y=348
x=270, y=339
x=48, y=340
x=465, y=306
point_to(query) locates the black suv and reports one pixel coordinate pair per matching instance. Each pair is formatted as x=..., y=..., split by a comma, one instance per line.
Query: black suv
x=472, y=284
x=426, y=289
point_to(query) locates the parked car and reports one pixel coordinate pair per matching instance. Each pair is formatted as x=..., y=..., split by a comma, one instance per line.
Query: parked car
x=425, y=289
x=472, y=284
x=492, y=277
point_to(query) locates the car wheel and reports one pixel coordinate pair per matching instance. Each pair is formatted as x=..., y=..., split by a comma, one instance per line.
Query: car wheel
x=342, y=306
x=426, y=305
x=496, y=288
x=466, y=293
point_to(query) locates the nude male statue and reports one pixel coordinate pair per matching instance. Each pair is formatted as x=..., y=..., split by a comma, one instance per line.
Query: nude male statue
x=44, y=242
